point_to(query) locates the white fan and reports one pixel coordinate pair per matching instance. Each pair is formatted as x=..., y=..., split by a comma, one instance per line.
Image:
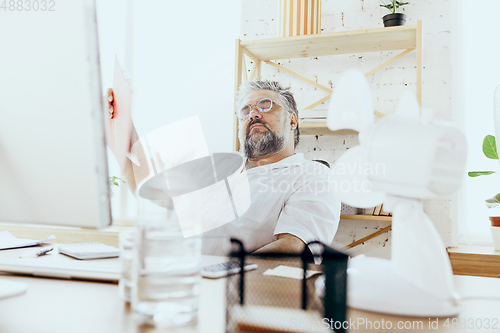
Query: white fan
x=401, y=159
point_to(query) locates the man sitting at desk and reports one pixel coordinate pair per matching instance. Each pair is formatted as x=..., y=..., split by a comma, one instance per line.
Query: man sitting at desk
x=291, y=200
x=291, y=203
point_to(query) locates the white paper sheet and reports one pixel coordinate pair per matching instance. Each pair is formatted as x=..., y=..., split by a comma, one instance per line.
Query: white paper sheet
x=290, y=272
x=7, y=241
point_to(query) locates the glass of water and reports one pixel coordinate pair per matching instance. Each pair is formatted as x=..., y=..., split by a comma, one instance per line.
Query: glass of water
x=166, y=268
x=126, y=244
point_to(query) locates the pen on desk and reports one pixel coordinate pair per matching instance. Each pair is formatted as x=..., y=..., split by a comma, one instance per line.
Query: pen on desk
x=44, y=252
x=40, y=253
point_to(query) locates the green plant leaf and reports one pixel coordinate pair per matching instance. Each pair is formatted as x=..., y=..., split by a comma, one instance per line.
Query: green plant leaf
x=480, y=173
x=390, y=6
x=113, y=181
x=493, y=202
x=490, y=147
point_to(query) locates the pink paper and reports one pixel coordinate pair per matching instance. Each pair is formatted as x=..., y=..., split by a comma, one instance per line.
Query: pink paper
x=120, y=126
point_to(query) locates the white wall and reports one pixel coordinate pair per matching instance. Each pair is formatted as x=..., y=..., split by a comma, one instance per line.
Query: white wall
x=260, y=20
x=481, y=74
x=182, y=64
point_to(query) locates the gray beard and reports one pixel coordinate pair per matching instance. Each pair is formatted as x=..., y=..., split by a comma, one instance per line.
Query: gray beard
x=264, y=144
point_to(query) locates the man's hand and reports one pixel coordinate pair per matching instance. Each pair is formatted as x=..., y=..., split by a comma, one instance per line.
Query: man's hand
x=286, y=243
x=110, y=98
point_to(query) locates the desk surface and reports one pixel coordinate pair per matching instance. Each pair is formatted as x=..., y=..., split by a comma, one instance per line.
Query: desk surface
x=53, y=306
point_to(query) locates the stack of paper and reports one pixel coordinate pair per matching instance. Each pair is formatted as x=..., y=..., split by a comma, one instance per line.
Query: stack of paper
x=7, y=241
x=317, y=115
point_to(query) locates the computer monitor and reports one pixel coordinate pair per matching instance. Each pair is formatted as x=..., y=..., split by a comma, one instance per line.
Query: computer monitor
x=53, y=163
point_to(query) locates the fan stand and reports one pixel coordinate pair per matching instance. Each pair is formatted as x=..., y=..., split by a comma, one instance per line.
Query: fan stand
x=374, y=285
x=417, y=281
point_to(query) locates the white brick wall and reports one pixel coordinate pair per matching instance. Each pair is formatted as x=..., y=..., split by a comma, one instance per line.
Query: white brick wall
x=260, y=20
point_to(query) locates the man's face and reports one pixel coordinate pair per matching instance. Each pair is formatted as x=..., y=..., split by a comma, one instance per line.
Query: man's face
x=264, y=134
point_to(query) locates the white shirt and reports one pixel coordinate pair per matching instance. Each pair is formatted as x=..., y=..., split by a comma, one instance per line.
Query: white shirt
x=290, y=196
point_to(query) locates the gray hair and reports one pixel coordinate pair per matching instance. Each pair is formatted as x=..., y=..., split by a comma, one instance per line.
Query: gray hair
x=290, y=105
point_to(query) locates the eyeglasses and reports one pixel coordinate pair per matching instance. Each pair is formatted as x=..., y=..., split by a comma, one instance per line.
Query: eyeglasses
x=264, y=105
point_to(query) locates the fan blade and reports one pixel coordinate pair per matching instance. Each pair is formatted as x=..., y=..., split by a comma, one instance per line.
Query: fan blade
x=350, y=181
x=351, y=105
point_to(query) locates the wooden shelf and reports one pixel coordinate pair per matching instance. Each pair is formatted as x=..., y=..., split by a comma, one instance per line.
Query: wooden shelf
x=345, y=42
x=407, y=38
x=475, y=261
x=320, y=129
x=366, y=217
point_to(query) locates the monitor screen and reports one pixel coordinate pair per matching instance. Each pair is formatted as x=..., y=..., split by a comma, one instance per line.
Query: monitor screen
x=53, y=163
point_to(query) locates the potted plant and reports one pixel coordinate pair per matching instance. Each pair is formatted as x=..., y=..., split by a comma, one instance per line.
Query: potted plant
x=394, y=19
x=490, y=151
x=113, y=182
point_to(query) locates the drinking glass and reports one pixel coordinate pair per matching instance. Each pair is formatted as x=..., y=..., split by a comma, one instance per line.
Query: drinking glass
x=126, y=244
x=166, y=268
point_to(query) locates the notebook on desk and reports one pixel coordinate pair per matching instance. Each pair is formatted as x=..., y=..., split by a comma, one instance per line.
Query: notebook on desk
x=89, y=251
x=56, y=265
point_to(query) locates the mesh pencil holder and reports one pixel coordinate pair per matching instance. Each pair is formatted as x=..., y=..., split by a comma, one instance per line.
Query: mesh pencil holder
x=260, y=301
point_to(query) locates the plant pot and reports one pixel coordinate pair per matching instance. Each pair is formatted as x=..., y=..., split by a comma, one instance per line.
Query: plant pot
x=393, y=20
x=495, y=231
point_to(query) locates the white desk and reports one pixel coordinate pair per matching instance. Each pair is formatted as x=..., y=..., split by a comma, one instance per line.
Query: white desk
x=64, y=306
x=69, y=306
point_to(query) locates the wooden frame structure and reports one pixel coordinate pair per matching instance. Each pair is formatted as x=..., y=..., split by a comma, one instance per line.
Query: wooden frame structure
x=407, y=38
